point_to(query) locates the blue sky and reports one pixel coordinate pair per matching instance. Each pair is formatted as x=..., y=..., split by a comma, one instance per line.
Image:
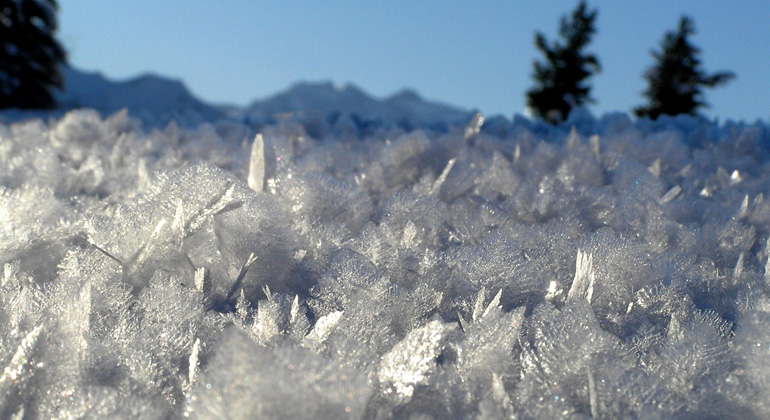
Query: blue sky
x=473, y=54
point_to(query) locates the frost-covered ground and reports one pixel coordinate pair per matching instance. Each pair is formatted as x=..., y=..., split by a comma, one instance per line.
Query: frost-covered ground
x=618, y=270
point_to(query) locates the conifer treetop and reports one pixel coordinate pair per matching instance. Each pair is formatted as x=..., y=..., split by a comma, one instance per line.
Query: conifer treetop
x=30, y=55
x=561, y=78
x=676, y=79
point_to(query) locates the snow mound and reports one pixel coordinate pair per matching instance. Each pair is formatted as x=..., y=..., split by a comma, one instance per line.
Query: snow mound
x=605, y=268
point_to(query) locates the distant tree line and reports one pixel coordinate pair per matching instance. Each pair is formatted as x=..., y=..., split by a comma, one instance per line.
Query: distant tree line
x=675, y=81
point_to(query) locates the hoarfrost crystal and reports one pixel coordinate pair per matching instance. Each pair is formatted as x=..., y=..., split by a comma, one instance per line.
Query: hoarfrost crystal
x=257, y=164
x=330, y=267
x=411, y=360
x=583, y=283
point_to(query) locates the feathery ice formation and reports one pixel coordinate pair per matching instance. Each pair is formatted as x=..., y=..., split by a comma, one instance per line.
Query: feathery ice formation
x=617, y=270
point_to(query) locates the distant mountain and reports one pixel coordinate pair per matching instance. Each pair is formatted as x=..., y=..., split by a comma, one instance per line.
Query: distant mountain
x=153, y=99
x=324, y=100
x=157, y=100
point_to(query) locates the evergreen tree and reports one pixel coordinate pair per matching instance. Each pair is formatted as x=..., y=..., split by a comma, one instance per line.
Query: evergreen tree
x=561, y=79
x=676, y=80
x=29, y=54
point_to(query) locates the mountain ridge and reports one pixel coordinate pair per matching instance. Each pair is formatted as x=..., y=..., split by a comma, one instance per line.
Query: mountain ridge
x=322, y=99
x=150, y=97
x=157, y=100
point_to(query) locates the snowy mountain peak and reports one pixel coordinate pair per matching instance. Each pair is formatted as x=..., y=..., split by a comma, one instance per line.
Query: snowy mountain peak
x=157, y=100
x=321, y=99
x=154, y=99
x=153, y=81
x=406, y=95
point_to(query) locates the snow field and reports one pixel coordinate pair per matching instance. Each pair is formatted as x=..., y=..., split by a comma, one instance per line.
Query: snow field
x=514, y=270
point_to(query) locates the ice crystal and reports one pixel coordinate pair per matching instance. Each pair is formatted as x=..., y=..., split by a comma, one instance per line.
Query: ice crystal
x=410, y=361
x=17, y=372
x=245, y=381
x=605, y=268
x=257, y=164
x=583, y=284
x=474, y=126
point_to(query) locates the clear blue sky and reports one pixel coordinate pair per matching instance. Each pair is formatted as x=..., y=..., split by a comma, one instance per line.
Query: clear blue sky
x=474, y=54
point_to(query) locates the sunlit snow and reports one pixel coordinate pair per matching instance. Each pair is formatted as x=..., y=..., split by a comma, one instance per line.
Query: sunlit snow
x=605, y=268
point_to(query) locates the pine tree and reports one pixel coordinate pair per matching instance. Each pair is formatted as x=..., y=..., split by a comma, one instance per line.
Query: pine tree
x=561, y=79
x=29, y=54
x=675, y=81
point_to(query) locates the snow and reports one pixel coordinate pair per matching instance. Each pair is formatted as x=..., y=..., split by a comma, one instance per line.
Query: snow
x=307, y=268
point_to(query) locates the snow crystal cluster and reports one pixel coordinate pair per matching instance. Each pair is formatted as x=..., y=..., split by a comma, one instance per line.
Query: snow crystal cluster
x=603, y=269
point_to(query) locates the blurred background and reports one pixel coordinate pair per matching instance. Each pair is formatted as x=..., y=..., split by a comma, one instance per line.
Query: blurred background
x=473, y=55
